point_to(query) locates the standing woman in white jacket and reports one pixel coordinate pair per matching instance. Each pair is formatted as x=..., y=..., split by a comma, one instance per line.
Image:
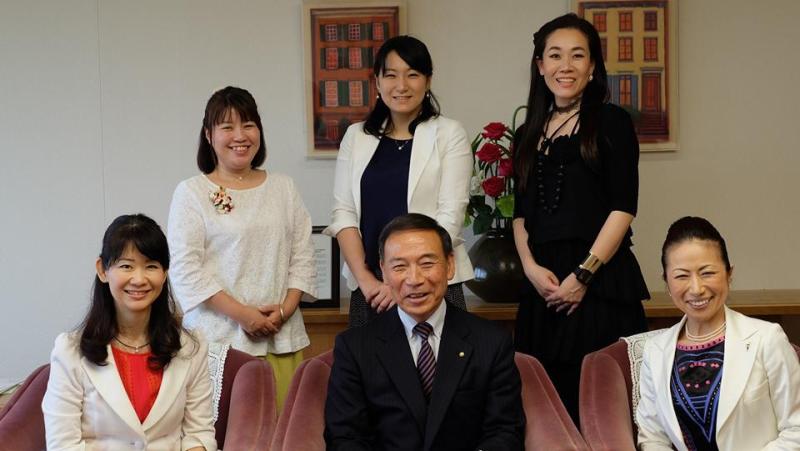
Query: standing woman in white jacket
x=717, y=380
x=405, y=158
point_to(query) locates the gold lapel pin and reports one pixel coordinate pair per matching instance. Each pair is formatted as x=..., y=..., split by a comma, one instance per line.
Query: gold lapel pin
x=461, y=354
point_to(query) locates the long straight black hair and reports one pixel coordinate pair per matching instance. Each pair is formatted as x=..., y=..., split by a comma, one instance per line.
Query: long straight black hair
x=100, y=325
x=540, y=98
x=416, y=55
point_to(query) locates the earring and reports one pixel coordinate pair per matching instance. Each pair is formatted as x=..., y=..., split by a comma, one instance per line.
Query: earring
x=377, y=96
x=428, y=94
x=591, y=77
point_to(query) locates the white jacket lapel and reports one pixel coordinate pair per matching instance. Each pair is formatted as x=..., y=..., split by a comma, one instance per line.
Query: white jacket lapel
x=741, y=347
x=108, y=383
x=172, y=382
x=667, y=342
x=421, y=151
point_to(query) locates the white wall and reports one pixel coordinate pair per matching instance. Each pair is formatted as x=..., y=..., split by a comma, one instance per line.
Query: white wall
x=101, y=104
x=739, y=164
x=51, y=170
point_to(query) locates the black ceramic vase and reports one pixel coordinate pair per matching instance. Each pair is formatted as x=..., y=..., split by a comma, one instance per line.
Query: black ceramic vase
x=498, y=271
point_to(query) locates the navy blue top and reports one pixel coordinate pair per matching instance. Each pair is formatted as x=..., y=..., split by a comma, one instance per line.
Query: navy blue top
x=384, y=190
x=695, y=384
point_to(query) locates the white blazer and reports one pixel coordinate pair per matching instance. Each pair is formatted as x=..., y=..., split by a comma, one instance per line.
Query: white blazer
x=86, y=406
x=438, y=182
x=759, y=401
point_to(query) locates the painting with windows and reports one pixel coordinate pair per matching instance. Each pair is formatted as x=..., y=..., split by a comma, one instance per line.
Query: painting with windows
x=341, y=39
x=639, y=40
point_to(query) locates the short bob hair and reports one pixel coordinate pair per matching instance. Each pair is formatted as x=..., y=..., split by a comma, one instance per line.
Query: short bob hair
x=414, y=221
x=692, y=228
x=100, y=325
x=416, y=55
x=218, y=110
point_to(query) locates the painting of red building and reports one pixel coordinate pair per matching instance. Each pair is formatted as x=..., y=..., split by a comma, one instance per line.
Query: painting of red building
x=638, y=42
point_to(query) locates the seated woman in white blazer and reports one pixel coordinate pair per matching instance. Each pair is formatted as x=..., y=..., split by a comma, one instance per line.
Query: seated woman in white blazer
x=405, y=158
x=130, y=377
x=717, y=380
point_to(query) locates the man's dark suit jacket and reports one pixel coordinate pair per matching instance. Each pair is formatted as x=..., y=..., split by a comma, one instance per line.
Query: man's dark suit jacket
x=375, y=399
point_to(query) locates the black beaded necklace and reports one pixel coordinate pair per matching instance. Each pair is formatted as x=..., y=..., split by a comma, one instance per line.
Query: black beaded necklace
x=544, y=150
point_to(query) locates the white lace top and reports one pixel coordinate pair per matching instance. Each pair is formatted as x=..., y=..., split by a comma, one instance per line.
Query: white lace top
x=217, y=353
x=635, y=356
x=255, y=253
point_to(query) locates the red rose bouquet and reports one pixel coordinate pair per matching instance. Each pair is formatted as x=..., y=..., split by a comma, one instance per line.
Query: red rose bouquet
x=491, y=196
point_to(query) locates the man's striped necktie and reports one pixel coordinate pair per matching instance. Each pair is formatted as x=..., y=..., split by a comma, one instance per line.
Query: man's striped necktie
x=426, y=362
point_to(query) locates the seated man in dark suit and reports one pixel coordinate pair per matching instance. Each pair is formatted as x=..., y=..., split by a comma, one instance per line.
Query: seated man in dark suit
x=424, y=376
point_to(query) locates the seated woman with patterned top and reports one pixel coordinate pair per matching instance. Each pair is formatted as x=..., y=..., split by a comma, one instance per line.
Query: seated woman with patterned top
x=717, y=380
x=130, y=377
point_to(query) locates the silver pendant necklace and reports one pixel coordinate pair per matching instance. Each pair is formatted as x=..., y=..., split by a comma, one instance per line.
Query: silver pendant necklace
x=397, y=142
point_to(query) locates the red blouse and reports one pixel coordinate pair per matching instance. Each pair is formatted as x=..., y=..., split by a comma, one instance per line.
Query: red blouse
x=141, y=383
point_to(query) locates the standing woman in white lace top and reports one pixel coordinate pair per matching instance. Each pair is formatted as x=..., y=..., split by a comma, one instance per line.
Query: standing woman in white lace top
x=240, y=240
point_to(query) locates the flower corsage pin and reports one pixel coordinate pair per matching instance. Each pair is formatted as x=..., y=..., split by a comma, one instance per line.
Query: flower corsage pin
x=221, y=201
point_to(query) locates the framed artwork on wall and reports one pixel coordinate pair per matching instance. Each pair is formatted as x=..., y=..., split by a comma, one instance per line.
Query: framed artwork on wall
x=639, y=39
x=340, y=41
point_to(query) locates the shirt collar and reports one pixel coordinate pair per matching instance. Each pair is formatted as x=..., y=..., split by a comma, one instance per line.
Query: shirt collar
x=436, y=320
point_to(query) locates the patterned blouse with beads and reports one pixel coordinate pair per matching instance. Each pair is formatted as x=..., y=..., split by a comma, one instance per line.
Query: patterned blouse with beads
x=140, y=381
x=695, y=384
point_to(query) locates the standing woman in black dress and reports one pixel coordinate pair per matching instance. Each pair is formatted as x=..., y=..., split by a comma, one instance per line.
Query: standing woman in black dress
x=576, y=196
